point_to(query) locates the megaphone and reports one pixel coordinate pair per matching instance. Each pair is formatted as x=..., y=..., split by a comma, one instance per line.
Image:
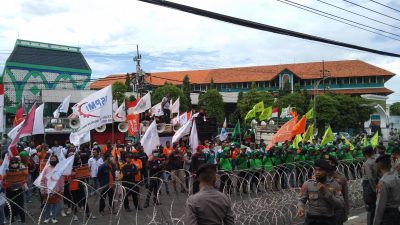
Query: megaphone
x=176, y=127
x=101, y=128
x=74, y=123
x=123, y=127
x=160, y=127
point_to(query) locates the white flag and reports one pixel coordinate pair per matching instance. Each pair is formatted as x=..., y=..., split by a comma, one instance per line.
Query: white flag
x=194, y=137
x=63, y=107
x=182, y=131
x=115, y=106
x=1, y=108
x=40, y=177
x=285, y=112
x=38, y=125
x=224, y=134
x=94, y=110
x=150, y=139
x=183, y=118
x=175, y=106
x=143, y=104
x=13, y=133
x=120, y=113
x=62, y=168
x=79, y=139
x=156, y=110
x=4, y=165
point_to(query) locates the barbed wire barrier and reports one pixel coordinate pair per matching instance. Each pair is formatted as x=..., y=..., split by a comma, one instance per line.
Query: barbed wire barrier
x=258, y=197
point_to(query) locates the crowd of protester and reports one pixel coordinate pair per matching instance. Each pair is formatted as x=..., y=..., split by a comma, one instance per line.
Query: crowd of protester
x=128, y=164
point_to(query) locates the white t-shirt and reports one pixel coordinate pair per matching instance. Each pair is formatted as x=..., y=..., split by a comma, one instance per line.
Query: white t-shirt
x=94, y=164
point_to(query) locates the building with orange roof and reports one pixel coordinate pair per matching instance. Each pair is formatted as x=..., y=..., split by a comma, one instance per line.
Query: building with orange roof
x=352, y=77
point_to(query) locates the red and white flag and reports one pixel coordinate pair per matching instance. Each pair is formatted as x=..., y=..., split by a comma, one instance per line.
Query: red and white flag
x=274, y=112
x=131, y=106
x=120, y=113
x=24, y=130
x=143, y=104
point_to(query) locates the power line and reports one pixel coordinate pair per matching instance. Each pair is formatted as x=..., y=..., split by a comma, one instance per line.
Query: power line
x=372, y=19
x=385, y=5
x=288, y=2
x=371, y=10
x=263, y=27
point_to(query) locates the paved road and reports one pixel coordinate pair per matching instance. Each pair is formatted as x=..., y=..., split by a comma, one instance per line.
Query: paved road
x=358, y=217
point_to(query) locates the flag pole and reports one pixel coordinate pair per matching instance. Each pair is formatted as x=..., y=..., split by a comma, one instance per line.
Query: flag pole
x=112, y=132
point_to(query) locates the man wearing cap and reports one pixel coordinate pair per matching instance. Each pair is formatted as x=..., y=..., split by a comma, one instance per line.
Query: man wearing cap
x=209, y=206
x=388, y=194
x=370, y=179
x=129, y=181
x=198, y=159
x=323, y=196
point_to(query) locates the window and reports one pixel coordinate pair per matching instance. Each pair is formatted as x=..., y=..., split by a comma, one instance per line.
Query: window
x=359, y=80
x=196, y=87
x=245, y=85
x=352, y=80
x=379, y=80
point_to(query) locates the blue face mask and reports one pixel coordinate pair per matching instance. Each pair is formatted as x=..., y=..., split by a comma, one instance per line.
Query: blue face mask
x=111, y=159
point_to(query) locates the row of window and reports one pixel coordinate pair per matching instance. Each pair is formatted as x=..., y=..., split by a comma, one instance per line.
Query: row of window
x=275, y=83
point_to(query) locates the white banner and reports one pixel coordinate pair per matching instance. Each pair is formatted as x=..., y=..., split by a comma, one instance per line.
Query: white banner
x=38, y=125
x=63, y=107
x=79, y=139
x=156, y=110
x=120, y=113
x=150, y=139
x=62, y=168
x=94, y=110
x=182, y=131
x=143, y=104
x=175, y=107
x=194, y=137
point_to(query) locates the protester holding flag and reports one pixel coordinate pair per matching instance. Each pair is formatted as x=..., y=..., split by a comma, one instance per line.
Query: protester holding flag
x=51, y=196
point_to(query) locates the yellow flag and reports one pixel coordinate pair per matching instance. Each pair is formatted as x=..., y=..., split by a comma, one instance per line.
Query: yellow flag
x=310, y=114
x=348, y=143
x=328, y=137
x=251, y=114
x=259, y=107
x=308, y=135
x=374, y=140
x=297, y=140
x=266, y=113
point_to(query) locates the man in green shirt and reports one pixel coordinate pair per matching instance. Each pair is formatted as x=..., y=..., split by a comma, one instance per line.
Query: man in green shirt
x=225, y=166
x=255, y=167
x=242, y=161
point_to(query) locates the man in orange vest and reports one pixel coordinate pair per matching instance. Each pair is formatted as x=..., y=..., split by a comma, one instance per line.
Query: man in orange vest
x=168, y=149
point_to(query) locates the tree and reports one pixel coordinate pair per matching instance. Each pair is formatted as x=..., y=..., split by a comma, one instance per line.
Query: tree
x=118, y=91
x=186, y=89
x=296, y=100
x=128, y=81
x=213, y=103
x=326, y=111
x=395, y=109
x=7, y=100
x=251, y=98
x=175, y=92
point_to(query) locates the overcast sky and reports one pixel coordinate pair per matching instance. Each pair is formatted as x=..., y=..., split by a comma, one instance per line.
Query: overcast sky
x=108, y=31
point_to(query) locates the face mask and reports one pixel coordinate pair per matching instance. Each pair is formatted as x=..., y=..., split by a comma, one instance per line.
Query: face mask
x=14, y=165
x=53, y=163
x=111, y=159
x=155, y=154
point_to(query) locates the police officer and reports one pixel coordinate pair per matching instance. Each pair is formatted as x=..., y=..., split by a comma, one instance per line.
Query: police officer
x=129, y=171
x=370, y=179
x=156, y=166
x=208, y=206
x=323, y=196
x=388, y=194
x=340, y=214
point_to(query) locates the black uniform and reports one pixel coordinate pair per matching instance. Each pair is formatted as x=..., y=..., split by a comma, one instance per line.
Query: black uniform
x=129, y=170
x=156, y=165
x=198, y=159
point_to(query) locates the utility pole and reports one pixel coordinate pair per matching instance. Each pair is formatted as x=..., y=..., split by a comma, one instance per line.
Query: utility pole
x=316, y=84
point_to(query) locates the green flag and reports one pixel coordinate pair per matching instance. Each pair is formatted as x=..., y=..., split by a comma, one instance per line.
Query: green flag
x=374, y=140
x=266, y=113
x=251, y=114
x=310, y=114
x=296, y=141
x=328, y=137
x=348, y=143
x=259, y=107
x=308, y=135
x=236, y=131
x=364, y=141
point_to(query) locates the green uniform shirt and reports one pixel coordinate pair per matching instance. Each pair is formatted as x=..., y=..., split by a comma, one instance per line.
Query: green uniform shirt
x=255, y=164
x=241, y=162
x=225, y=164
x=267, y=163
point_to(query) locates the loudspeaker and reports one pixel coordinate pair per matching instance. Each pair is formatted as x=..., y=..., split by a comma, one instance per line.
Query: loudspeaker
x=206, y=129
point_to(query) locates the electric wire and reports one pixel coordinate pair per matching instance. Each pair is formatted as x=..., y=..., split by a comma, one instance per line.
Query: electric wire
x=389, y=7
x=371, y=10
